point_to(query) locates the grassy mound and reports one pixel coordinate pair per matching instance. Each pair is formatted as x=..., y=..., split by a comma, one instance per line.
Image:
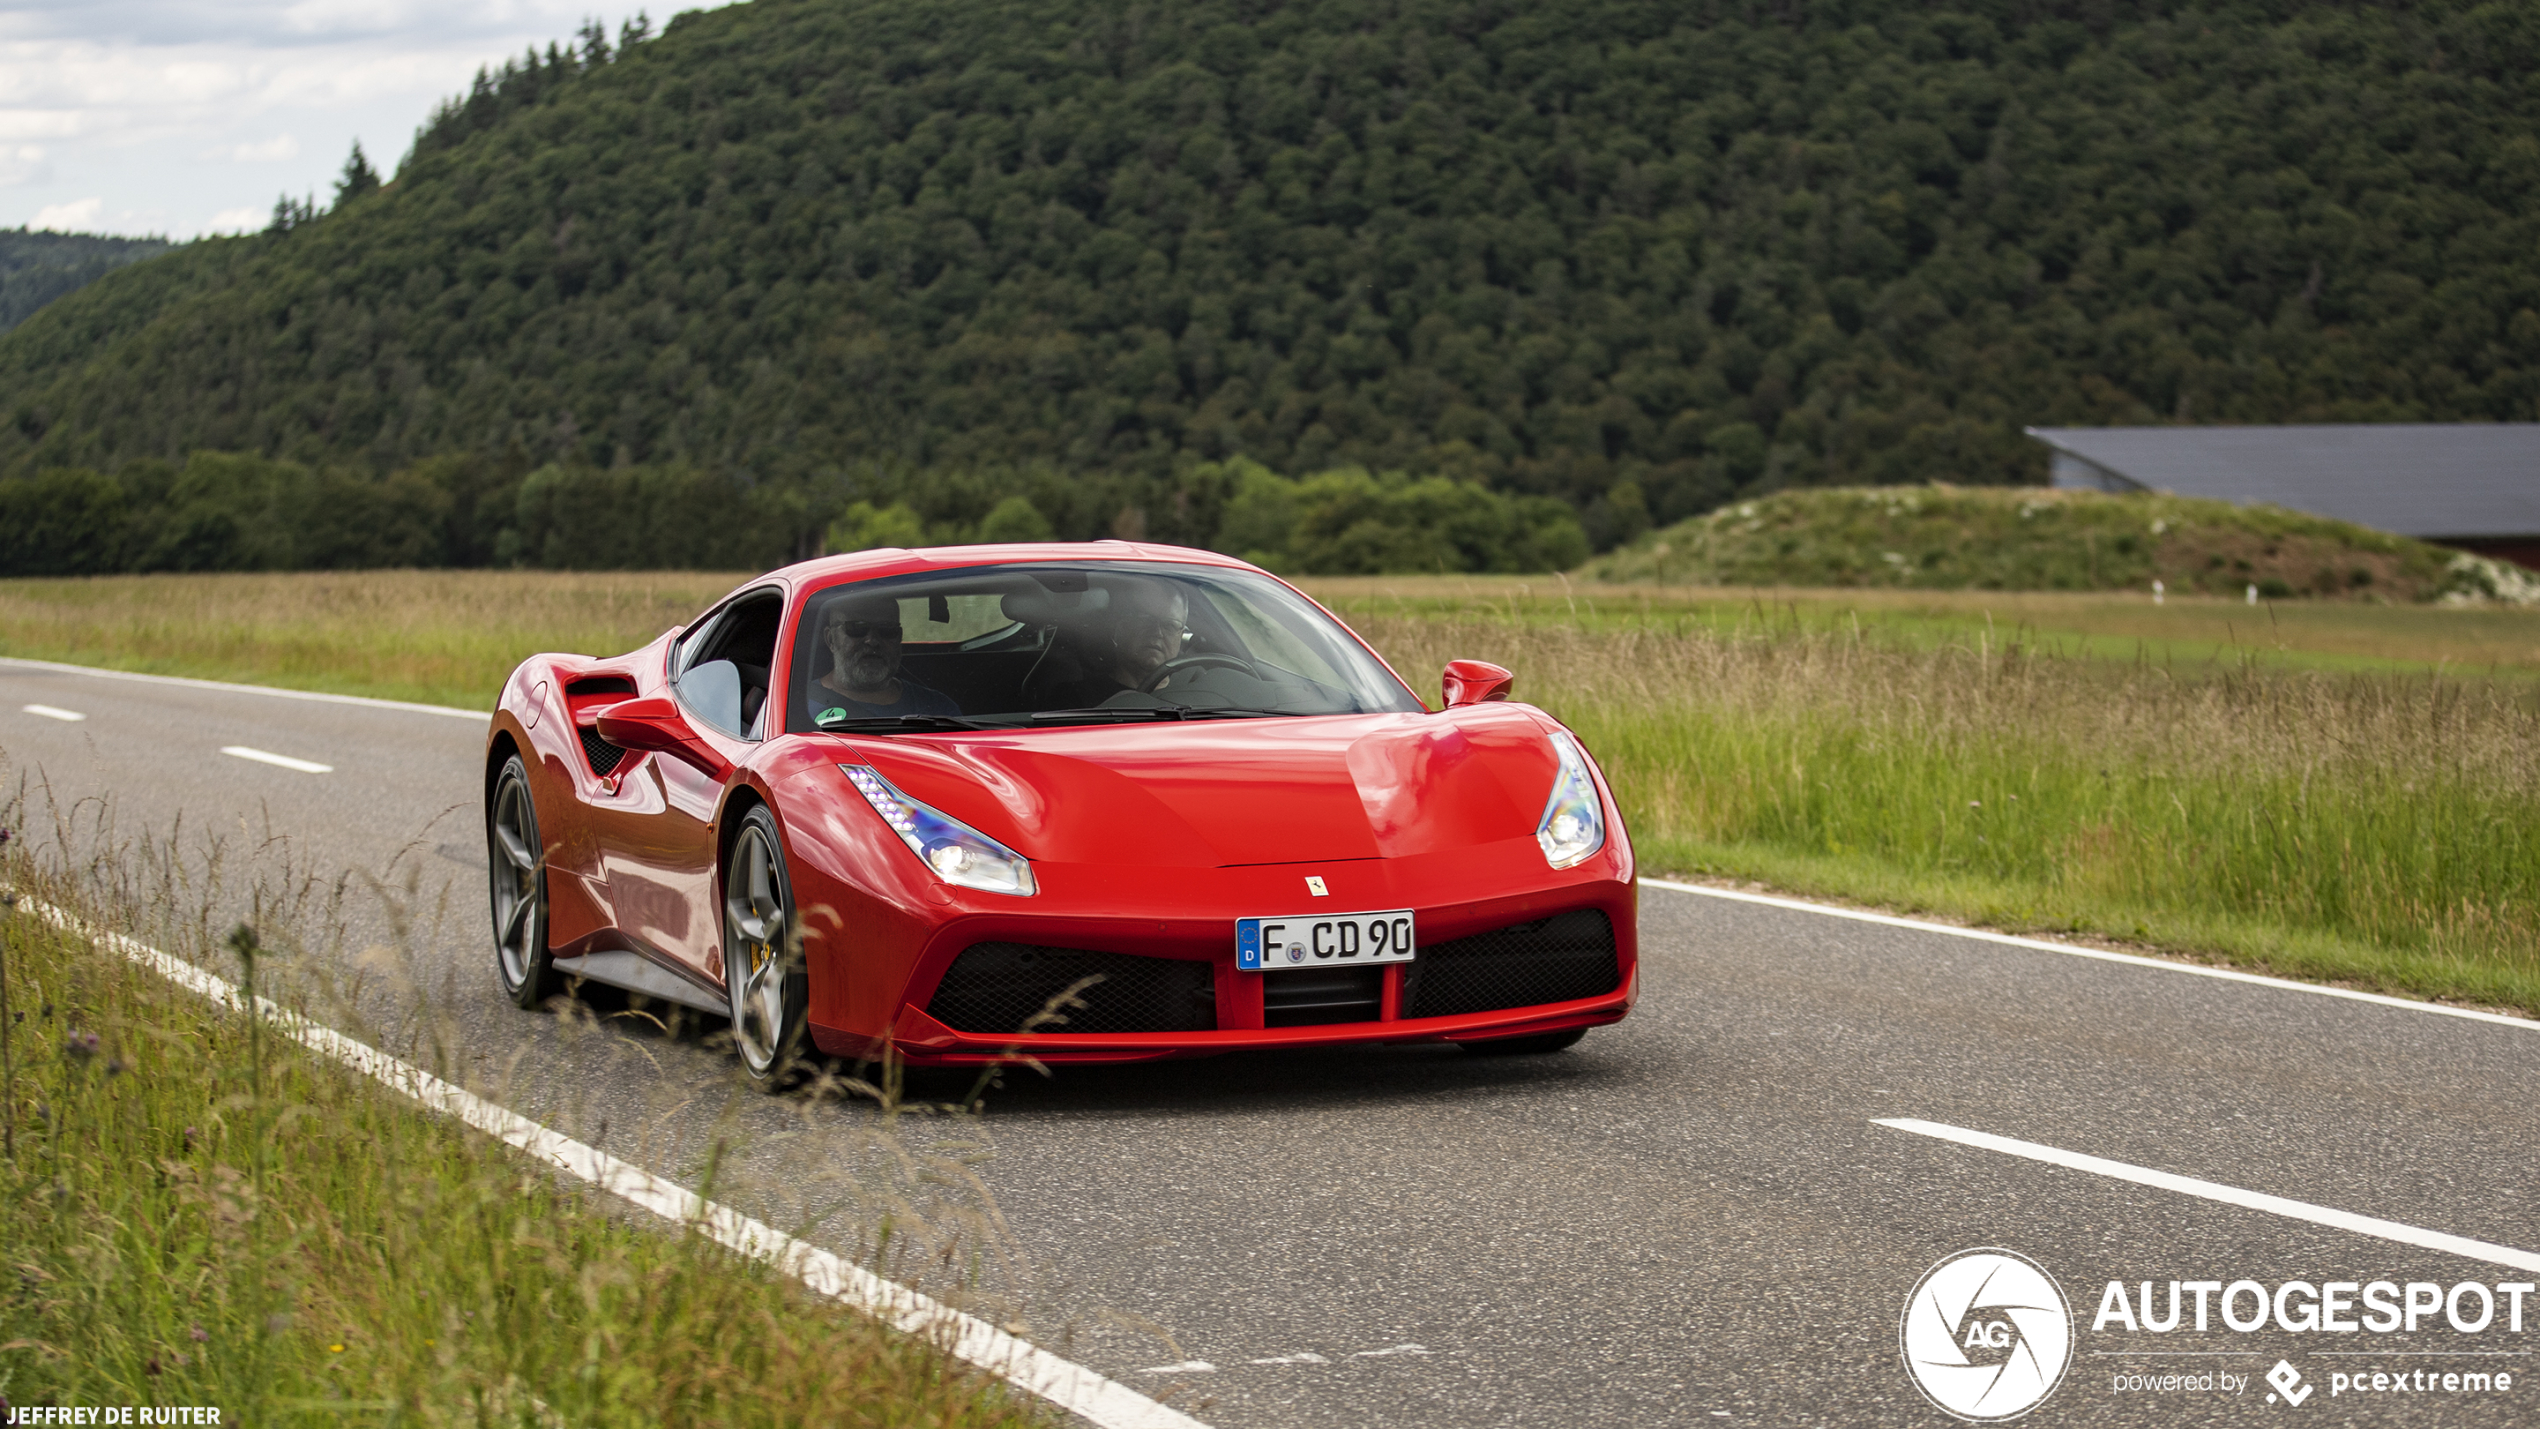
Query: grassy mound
x=2031, y=538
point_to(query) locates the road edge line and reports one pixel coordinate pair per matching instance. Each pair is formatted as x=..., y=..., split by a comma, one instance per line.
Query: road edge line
x=447, y=711
x=2101, y=954
x=2399, y=1231
x=1070, y=1386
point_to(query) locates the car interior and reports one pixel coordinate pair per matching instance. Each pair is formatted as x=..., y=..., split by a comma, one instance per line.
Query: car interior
x=1009, y=642
x=722, y=667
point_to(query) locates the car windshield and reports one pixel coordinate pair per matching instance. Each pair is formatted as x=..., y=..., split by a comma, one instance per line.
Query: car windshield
x=1047, y=644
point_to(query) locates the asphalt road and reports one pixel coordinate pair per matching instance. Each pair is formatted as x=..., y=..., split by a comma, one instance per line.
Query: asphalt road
x=1691, y=1218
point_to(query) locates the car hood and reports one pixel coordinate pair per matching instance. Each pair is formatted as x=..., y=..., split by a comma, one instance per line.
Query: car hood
x=1235, y=792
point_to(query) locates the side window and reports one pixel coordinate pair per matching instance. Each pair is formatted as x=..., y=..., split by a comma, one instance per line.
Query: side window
x=722, y=670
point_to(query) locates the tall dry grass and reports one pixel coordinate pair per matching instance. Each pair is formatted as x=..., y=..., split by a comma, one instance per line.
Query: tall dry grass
x=2383, y=829
x=196, y=1211
x=438, y=637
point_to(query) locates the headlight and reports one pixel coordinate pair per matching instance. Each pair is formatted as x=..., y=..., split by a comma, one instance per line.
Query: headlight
x=955, y=851
x=1573, y=824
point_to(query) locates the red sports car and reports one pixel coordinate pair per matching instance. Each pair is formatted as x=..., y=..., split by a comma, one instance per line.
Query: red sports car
x=1083, y=802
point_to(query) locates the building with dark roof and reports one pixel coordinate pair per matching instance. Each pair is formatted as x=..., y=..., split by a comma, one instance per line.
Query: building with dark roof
x=2471, y=486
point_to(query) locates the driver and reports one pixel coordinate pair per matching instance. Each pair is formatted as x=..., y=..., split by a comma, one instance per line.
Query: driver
x=1150, y=620
x=1147, y=620
x=864, y=680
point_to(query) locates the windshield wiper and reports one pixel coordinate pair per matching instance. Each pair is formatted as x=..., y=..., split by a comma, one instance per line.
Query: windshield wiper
x=1147, y=712
x=898, y=724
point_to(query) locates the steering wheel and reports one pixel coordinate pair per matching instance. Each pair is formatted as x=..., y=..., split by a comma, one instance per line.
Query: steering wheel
x=1167, y=670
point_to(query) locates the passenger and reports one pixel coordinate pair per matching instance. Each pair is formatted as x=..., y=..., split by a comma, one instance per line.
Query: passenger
x=864, y=680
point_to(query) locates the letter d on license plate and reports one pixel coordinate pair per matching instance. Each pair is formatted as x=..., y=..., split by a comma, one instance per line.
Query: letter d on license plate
x=1322, y=940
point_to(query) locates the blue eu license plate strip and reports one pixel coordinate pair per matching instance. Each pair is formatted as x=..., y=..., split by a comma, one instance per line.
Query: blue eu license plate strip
x=1322, y=940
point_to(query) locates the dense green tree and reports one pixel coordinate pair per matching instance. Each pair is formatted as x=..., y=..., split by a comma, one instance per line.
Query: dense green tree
x=1640, y=258
x=36, y=268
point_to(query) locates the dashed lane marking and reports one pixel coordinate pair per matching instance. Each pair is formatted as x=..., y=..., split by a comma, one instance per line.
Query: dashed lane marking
x=279, y=761
x=54, y=712
x=480, y=716
x=2487, y=1251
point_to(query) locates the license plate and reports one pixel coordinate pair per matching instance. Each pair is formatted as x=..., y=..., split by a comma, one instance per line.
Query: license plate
x=1322, y=940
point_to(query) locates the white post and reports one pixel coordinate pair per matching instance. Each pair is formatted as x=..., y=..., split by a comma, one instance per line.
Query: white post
x=2156, y=592
x=2253, y=595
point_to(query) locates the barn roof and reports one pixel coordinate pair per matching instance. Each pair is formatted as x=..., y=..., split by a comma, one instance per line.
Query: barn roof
x=2462, y=480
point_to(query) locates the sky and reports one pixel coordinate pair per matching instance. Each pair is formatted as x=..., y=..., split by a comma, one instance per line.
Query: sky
x=186, y=117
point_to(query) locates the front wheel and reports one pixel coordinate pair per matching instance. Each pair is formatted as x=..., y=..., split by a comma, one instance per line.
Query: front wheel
x=516, y=871
x=762, y=954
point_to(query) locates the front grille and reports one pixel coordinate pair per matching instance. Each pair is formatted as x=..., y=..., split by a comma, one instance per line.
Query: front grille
x=1568, y=955
x=602, y=754
x=997, y=987
x=1309, y=997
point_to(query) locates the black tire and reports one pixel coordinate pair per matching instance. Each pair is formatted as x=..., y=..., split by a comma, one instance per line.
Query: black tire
x=1526, y=1046
x=763, y=975
x=516, y=872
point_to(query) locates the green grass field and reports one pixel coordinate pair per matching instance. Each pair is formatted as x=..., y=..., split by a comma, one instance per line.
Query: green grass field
x=194, y=1211
x=2339, y=790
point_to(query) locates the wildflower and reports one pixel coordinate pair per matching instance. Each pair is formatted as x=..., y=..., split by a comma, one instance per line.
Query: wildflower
x=189, y=1145
x=82, y=1045
x=200, y=1334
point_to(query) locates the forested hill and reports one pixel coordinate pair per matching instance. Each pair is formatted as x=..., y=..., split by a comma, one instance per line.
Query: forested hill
x=1639, y=255
x=37, y=267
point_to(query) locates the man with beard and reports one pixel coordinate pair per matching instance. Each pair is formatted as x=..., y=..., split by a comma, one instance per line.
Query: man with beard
x=864, y=680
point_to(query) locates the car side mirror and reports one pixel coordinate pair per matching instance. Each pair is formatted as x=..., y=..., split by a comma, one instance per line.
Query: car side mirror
x=656, y=725
x=1470, y=682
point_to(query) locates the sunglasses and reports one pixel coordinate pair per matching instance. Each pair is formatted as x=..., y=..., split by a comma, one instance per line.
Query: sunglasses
x=867, y=629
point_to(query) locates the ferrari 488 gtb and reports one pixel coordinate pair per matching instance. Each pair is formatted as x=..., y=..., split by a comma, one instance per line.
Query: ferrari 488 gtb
x=1087, y=803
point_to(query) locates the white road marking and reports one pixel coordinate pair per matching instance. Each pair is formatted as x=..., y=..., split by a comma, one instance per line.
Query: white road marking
x=2072, y=950
x=1068, y=1385
x=2487, y=1251
x=1185, y=1367
x=1300, y=1357
x=1391, y=1350
x=280, y=761
x=54, y=712
x=480, y=716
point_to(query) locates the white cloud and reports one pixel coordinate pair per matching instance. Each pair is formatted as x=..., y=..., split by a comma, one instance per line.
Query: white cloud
x=127, y=99
x=22, y=163
x=266, y=151
x=77, y=216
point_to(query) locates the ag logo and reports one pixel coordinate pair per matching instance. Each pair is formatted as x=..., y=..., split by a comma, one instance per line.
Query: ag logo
x=1987, y=1334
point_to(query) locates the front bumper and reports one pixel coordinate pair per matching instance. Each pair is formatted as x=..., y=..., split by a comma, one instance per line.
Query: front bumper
x=1184, y=923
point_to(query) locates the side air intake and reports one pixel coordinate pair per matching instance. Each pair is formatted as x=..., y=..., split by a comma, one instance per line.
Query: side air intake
x=997, y=987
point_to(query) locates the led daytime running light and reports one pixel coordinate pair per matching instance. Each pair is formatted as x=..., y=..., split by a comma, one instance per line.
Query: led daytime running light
x=951, y=850
x=1573, y=825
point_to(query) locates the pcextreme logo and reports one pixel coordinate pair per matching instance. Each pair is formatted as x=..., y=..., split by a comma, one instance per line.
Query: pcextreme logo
x=1987, y=1334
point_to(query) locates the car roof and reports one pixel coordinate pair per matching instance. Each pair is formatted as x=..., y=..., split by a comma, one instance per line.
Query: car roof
x=901, y=560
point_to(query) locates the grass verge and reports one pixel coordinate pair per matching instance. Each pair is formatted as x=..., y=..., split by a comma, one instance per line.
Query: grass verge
x=2383, y=831
x=196, y=1212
